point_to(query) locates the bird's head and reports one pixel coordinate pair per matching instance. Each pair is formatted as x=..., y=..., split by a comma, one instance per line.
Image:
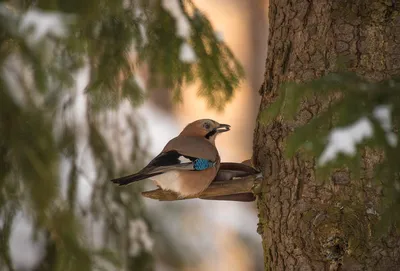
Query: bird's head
x=205, y=128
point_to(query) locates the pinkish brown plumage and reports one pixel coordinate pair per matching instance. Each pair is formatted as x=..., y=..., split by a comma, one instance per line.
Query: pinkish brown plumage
x=188, y=163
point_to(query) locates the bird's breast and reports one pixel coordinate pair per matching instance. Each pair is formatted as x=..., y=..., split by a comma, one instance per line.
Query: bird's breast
x=186, y=183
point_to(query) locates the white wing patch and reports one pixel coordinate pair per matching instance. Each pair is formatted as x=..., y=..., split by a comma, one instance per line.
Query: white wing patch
x=183, y=159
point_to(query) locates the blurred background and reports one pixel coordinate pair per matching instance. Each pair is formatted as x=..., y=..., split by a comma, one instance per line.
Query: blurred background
x=63, y=136
x=221, y=235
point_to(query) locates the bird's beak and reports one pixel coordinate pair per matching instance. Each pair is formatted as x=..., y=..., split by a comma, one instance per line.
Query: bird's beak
x=223, y=128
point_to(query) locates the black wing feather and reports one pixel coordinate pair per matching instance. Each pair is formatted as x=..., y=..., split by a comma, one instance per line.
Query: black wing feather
x=161, y=163
x=165, y=159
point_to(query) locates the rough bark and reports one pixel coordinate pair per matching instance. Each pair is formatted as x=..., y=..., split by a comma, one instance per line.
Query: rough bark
x=307, y=224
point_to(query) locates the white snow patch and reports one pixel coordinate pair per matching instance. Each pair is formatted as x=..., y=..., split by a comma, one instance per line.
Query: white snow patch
x=182, y=23
x=115, y=128
x=344, y=140
x=140, y=82
x=140, y=16
x=187, y=54
x=95, y=228
x=75, y=117
x=65, y=166
x=383, y=115
x=13, y=74
x=143, y=33
x=81, y=77
x=44, y=23
x=25, y=252
x=85, y=161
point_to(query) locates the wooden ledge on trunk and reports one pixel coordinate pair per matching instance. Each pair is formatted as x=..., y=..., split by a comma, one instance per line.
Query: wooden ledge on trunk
x=234, y=182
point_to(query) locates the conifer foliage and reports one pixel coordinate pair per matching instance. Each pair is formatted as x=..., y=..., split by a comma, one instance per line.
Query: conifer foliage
x=361, y=116
x=67, y=68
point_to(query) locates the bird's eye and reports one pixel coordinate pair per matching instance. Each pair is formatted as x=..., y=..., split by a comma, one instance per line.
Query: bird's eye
x=206, y=126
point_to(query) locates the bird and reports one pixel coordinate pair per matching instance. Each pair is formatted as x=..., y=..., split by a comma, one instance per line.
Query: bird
x=188, y=163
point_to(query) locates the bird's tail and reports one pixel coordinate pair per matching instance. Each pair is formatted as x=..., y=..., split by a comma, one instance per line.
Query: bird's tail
x=133, y=178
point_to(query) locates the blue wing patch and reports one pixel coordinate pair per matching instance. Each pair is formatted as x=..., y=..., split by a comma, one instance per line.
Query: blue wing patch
x=202, y=164
x=173, y=159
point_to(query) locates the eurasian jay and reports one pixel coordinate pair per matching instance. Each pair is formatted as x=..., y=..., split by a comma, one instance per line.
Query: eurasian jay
x=188, y=163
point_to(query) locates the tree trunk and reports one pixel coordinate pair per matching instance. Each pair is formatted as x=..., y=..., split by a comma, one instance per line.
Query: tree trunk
x=305, y=223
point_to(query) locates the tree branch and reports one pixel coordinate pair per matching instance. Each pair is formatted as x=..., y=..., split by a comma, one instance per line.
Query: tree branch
x=226, y=186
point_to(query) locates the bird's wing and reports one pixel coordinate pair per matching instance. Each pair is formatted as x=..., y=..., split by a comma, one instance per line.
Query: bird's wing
x=166, y=161
x=173, y=160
